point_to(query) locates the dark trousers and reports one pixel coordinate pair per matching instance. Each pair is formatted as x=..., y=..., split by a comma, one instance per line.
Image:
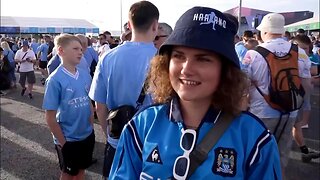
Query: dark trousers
x=108, y=159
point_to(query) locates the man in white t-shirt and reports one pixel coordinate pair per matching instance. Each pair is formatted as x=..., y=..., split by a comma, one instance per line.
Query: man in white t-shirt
x=26, y=57
x=104, y=45
x=254, y=64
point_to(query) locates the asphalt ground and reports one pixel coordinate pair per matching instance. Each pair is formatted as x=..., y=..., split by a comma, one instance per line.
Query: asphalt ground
x=27, y=149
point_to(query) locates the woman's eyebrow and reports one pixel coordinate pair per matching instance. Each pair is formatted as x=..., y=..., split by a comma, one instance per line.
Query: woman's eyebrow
x=177, y=51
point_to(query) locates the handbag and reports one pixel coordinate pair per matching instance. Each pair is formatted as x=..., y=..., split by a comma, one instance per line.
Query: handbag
x=200, y=153
x=120, y=116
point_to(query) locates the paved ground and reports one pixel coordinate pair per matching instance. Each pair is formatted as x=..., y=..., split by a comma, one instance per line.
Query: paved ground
x=27, y=151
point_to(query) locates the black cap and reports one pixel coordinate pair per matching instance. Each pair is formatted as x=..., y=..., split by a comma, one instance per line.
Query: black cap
x=204, y=28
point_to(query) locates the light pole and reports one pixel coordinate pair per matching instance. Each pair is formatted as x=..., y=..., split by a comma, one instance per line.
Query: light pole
x=239, y=16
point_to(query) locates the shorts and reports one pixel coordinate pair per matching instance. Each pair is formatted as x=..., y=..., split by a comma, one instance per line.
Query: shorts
x=109, y=153
x=76, y=155
x=27, y=76
x=283, y=135
x=43, y=64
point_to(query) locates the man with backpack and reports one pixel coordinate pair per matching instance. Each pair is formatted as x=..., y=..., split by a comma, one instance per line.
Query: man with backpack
x=274, y=69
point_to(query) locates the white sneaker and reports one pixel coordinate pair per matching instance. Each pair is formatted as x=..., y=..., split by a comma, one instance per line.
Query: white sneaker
x=305, y=126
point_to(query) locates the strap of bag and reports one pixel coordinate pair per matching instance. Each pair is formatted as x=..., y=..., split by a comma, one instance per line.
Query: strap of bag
x=264, y=53
x=24, y=55
x=141, y=96
x=200, y=153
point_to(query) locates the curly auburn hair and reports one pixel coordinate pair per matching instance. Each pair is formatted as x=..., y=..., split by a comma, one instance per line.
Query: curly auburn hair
x=231, y=89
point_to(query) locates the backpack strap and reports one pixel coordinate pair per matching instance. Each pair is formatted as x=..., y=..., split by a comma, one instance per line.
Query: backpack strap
x=200, y=153
x=294, y=47
x=263, y=51
x=141, y=96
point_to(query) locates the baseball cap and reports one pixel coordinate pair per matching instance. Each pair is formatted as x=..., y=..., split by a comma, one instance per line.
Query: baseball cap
x=25, y=43
x=272, y=23
x=207, y=29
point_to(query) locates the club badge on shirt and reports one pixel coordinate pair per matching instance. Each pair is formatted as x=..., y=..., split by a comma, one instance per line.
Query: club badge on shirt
x=225, y=163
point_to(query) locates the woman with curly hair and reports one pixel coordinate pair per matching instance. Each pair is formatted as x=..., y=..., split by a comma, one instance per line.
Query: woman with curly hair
x=196, y=82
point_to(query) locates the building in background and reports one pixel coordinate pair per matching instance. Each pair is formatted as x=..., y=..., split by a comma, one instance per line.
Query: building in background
x=251, y=18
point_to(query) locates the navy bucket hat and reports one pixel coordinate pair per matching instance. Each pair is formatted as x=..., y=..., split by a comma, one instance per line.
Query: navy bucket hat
x=207, y=29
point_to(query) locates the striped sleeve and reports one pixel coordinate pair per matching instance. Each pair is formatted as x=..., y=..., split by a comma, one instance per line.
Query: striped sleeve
x=128, y=155
x=264, y=161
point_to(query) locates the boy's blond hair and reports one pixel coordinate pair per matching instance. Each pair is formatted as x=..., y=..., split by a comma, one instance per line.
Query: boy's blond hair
x=65, y=39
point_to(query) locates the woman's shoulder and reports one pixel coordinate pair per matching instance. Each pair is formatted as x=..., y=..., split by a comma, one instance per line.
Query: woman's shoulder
x=146, y=115
x=251, y=122
x=151, y=110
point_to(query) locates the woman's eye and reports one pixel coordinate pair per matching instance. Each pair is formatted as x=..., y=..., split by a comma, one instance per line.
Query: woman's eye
x=177, y=56
x=204, y=59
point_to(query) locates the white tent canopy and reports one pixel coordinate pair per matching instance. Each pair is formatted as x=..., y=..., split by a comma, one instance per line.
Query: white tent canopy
x=47, y=25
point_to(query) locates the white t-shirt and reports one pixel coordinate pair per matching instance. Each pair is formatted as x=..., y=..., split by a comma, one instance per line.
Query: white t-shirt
x=25, y=66
x=54, y=51
x=103, y=49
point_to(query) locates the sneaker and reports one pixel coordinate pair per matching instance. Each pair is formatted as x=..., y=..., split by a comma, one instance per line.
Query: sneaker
x=313, y=154
x=306, y=126
x=30, y=95
x=23, y=91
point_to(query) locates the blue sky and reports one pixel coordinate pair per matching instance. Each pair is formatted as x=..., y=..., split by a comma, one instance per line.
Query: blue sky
x=106, y=13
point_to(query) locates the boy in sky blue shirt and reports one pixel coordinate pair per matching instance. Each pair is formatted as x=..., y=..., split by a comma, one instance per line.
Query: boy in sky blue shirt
x=42, y=53
x=69, y=110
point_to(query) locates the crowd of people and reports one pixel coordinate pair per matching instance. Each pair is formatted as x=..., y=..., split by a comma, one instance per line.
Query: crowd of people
x=161, y=93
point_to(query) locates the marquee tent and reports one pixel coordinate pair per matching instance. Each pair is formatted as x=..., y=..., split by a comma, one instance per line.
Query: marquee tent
x=33, y=25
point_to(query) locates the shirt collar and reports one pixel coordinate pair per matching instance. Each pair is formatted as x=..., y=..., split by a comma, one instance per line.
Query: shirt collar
x=175, y=113
x=75, y=76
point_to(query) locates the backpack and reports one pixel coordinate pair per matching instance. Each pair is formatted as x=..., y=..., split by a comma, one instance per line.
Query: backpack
x=285, y=89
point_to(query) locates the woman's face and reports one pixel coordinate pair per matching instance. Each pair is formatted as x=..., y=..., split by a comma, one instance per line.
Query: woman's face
x=194, y=74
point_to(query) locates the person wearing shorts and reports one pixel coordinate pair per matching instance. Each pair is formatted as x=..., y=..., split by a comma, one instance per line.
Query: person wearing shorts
x=42, y=55
x=76, y=155
x=69, y=112
x=307, y=154
x=26, y=58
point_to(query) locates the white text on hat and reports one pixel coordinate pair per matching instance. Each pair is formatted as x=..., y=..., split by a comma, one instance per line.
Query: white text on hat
x=210, y=18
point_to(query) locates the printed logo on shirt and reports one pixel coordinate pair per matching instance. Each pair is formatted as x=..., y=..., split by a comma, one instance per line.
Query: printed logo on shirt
x=210, y=19
x=225, y=162
x=154, y=156
x=69, y=89
x=79, y=101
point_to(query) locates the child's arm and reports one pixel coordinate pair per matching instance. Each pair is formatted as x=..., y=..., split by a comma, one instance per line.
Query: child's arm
x=92, y=114
x=54, y=126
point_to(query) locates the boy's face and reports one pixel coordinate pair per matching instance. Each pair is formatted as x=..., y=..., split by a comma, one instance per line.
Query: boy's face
x=71, y=53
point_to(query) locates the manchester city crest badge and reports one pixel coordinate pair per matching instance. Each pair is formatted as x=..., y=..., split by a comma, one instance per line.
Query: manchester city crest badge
x=225, y=163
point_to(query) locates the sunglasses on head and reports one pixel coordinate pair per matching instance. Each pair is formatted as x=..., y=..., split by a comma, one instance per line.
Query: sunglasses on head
x=182, y=163
x=158, y=37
